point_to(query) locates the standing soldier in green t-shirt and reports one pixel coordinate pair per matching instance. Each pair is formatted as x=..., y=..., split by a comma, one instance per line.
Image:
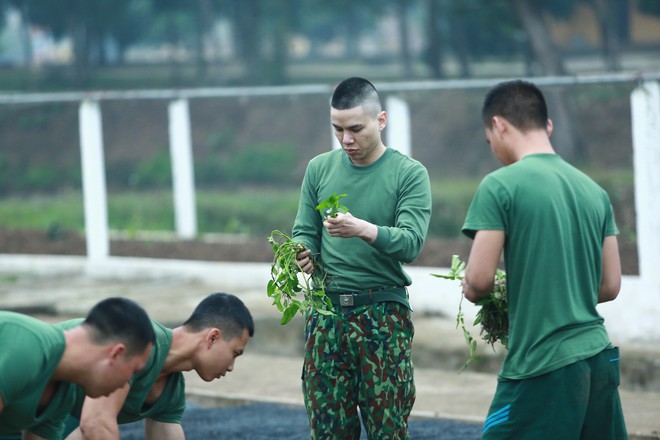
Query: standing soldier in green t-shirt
x=208, y=342
x=360, y=357
x=560, y=376
x=41, y=365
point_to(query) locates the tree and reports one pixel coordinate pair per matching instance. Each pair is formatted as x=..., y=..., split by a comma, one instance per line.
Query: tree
x=607, y=25
x=651, y=7
x=278, y=28
x=434, y=52
x=401, y=8
x=131, y=26
x=470, y=30
x=67, y=17
x=89, y=25
x=530, y=13
x=246, y=20
x=543, y=46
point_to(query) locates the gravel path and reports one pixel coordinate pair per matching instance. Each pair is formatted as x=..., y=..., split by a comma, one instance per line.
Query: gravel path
x=261, y=421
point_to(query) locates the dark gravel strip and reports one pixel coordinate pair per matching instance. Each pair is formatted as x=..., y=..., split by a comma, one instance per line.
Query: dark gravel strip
x=261, y=421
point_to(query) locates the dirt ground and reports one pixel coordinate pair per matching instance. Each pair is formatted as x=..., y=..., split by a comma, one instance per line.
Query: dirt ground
x=437, y=252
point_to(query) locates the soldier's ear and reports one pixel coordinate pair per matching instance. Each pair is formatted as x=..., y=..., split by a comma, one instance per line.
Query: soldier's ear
x=212, y=336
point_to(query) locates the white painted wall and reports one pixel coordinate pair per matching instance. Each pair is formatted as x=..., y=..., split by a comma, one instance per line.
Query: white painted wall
x=645, y=112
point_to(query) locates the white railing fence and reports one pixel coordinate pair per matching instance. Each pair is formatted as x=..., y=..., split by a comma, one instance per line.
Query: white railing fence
x=645, y=111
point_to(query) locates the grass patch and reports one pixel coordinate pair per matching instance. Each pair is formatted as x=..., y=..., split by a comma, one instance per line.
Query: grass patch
x=252, y=211
x=43, y=211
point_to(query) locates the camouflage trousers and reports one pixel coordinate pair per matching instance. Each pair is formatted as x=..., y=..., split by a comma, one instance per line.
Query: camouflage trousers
x=359, y=358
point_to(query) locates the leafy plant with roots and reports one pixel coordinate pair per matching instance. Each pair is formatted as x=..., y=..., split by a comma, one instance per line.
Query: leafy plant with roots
x=291, y=289
x=493, y=314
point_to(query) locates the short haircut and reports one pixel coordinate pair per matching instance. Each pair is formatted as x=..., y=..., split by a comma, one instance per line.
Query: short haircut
x=353, y=92
x=521, y=103
x=120, y=320
x=223, y=311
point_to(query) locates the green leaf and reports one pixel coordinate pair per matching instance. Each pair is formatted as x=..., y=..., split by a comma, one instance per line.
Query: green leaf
x=325, y=311
x=289, y=313
x=446, y=277
x=330, y=207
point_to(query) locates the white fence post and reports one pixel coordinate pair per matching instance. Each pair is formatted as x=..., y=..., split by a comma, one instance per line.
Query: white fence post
x=93, y=180
x=645, y=110
x=398, y=125
x=183, y=176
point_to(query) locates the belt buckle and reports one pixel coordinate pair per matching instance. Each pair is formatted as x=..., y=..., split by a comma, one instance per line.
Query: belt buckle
x=346, y=299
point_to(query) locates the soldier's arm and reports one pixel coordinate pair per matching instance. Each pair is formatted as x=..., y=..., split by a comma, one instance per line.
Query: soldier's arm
x=163, y=431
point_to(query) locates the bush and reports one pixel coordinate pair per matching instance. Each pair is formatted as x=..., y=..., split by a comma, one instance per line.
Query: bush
x=155, y=173
x=272, y=164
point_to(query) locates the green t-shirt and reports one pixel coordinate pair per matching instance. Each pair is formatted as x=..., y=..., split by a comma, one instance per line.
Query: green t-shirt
x=169, y=407
x=31, y=351
x=393, y=193
x=555, y=219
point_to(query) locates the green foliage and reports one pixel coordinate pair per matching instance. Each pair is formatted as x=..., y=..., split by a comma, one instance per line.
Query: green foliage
x=251, y=211
x=330, y=207
x=41, y=178
x=451, y=199
x=288, y=281
x=155, y=173
x=220, y=141
x=36, y=178
x=251, y=164
x=268, y=163
x=651, y=7
x=32, y=121
x=39, y=212
x=139, y=211
x=4, y=172
x=291, y=289
x=493, y=313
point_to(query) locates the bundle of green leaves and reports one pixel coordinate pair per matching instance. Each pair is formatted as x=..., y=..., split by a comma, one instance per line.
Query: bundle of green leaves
x=291, y=289
x=493, y=313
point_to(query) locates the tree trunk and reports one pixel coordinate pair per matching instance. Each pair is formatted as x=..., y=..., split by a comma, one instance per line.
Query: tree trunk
x=561, y=106
x=248, y=31
x=460, y=37
x=607, y=22
x=26, y=41
x=173, y=40
x=201, y=32
x=434, y=53
x=540, y=39
x=80, y=51
x=352, y=33
x=404, y=44
x=281, y=30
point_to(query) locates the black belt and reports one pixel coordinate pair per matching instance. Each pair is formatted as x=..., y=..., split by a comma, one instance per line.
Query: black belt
x=364, y=297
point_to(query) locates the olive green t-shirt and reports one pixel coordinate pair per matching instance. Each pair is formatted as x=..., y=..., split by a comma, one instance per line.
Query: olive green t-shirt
x=555, y=219
x=393, y=193
x=31, y=350
x=169, y=407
